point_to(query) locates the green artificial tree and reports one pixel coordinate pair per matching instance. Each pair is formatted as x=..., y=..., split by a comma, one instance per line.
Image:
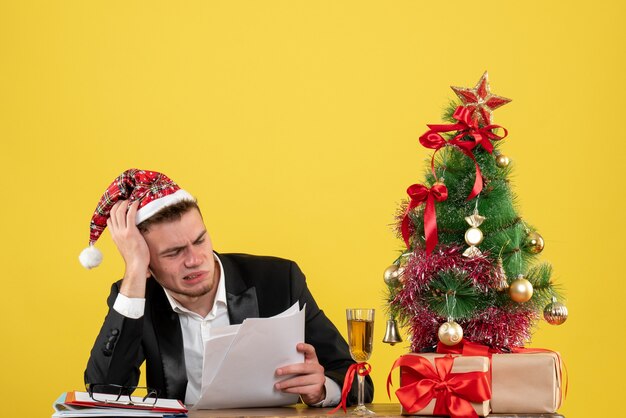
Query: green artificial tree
x=470, y=268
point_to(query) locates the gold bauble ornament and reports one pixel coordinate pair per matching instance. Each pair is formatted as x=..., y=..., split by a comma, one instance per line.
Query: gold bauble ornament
x=393, y=274
x=521, y=290
x=555, y=313
x=534, y=242
x=502, y=160
x=450, y=333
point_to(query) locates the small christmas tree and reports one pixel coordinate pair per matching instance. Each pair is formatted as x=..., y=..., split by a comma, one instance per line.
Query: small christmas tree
x=470, y=269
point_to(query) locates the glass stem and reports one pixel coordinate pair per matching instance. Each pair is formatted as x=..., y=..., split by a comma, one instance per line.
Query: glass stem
x=361, y=391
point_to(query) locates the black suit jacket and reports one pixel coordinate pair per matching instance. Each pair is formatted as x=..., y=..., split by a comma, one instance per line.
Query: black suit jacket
x=256, y=287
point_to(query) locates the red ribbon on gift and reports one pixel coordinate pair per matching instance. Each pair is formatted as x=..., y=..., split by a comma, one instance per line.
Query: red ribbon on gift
x=466, y=126
x=467, y=348
x=362, y=369
x=420, y=194
x=453, y=391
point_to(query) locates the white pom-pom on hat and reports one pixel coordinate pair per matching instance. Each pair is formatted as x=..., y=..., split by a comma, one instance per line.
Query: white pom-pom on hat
x=90, y=257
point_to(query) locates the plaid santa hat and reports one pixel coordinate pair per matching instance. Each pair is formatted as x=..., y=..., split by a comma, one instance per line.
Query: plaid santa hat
x=153, y=190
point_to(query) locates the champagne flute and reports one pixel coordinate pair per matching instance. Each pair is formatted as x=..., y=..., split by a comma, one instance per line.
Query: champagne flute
x=360, y=341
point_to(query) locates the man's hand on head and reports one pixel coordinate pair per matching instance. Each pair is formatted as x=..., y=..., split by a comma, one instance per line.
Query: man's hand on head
x=309, y=377
x=132, y=246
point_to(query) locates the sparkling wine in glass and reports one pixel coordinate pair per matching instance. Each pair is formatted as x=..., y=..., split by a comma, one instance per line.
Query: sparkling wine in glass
x=360, y=341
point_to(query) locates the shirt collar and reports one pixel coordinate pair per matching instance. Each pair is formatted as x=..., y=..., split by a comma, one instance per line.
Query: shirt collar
x=220, y=296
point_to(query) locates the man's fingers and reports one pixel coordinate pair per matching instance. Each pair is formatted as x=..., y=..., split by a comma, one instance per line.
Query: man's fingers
x=300, y=368
x=309, y=352
x=114, y=215
x=308, y=378
x=117, y=215
x=111, y=222
x=120, y=214
x=301, y=390
x=302, y=382
x=131, y=215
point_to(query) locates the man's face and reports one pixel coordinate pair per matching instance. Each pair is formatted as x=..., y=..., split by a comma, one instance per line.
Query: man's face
x=181, y=256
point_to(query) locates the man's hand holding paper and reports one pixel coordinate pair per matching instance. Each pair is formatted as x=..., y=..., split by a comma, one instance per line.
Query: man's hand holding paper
x=310, y=379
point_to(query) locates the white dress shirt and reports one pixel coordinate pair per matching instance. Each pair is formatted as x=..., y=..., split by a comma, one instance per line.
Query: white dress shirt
x=196, y=329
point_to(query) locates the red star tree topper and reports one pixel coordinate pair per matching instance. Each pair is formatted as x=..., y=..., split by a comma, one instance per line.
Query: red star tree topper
x=480, y=100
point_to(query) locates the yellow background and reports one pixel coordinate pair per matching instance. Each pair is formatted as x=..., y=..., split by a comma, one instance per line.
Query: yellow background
x=295, y=123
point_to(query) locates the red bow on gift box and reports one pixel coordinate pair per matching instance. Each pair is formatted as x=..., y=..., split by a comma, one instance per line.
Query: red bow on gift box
x=453, y=391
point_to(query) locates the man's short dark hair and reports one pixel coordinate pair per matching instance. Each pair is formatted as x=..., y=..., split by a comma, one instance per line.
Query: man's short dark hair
x=169, y=213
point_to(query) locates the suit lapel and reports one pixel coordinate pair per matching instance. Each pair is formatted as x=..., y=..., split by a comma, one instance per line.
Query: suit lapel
x=241, y=299
x=170, y=340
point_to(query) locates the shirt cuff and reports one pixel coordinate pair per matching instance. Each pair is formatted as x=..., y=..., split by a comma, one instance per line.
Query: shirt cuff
x=129, y=307
x=333, y=394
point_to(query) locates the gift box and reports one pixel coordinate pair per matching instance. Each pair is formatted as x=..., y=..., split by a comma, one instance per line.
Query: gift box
x=466, y=373
x=526, y=383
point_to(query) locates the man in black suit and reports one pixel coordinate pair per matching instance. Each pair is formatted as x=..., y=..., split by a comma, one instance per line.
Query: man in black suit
x=176, y=288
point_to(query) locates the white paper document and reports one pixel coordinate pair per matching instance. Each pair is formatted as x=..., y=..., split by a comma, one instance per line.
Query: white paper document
x=240, y=361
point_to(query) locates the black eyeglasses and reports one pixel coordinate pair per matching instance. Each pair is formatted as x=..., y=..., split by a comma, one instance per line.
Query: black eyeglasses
x=122, y=395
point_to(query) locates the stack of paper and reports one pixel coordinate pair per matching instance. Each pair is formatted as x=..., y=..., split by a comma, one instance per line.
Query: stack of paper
x=80, y=404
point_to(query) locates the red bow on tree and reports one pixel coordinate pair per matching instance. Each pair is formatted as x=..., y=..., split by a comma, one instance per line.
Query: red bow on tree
x=453, y=391
x=419, y=194
x=466, y=126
